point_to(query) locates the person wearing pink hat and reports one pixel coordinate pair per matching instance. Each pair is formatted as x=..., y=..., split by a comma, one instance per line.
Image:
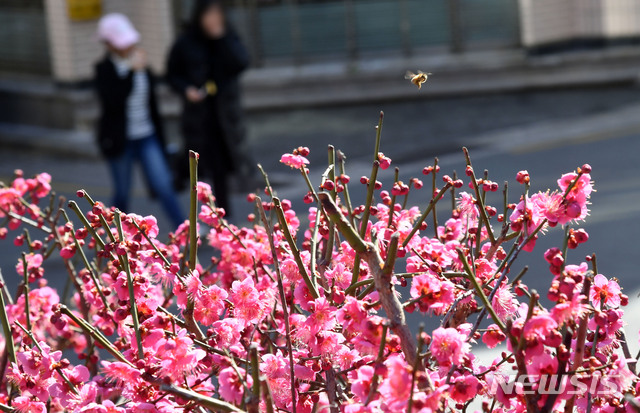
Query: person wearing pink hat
x=130, y=129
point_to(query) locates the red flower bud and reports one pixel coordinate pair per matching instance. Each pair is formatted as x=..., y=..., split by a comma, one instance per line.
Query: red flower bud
x=523, y=177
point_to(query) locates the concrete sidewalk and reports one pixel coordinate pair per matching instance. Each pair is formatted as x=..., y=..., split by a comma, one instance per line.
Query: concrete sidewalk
x=453, y=75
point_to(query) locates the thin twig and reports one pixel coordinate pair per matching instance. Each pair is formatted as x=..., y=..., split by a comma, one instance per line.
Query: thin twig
x=283, y=298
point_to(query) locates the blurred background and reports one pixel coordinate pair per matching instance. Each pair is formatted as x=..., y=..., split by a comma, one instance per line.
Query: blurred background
x=321, y=69
x=543, y=85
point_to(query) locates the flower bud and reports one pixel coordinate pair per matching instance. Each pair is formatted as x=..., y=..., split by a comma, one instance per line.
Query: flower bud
x=523, y=177
x=328, y=185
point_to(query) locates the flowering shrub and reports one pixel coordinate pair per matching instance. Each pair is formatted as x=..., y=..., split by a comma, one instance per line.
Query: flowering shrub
x=293, y=319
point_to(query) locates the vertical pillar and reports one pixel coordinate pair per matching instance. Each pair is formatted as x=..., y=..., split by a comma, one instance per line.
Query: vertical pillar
x=455, y=25
x=255, y=40
x=405, y=27
x=351, y=30
x=296, y=33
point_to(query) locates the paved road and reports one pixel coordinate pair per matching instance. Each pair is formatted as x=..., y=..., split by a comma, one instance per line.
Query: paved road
x=424, y=128
x=413, y=133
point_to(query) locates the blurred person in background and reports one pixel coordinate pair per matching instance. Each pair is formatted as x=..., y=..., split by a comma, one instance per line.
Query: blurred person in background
x=204, y=67
x=129, y=128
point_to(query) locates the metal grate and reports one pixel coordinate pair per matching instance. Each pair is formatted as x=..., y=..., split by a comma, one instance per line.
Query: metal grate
x=307, y=29
x=493, y=22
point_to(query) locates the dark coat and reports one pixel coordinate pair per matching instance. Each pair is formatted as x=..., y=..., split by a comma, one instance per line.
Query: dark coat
x=216, y=123
x=113, y=92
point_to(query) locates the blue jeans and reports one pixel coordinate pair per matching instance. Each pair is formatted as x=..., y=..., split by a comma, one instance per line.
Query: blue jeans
x=149, y=153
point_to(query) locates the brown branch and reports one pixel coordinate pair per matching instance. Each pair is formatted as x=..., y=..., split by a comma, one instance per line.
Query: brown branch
x=382, y=280
x=580, y=338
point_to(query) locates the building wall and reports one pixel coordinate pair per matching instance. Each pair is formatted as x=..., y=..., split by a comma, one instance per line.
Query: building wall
x=551, y=21
x=622, y=18
x=588, y=18
x=75, y=48
x=545, y=21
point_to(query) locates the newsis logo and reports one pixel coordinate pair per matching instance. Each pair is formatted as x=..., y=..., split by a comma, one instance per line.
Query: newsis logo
x=556, y=384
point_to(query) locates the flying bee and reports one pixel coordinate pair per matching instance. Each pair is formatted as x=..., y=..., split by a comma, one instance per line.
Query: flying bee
x=417, y=79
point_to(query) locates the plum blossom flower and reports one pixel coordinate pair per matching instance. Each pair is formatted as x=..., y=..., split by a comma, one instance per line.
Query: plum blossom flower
x=33, y=371
x=339, y=275
x=274, y=365
x=227, y=332
x=106, y=406
x=542, y=364
x=567, y=310
x=210, y=304
x=231, y=386
x=504, y=302
x=40, y=185
x=433, y=294
x=396, y=387
x=140, y=285
x=468, y=207
x=34, y=266
x=582, y=188
x=247, y=301
x=323, y=316
x=449, y=346
x=178, y=355
x=77, y=375
x=361, y=381
x=493, y=336
x=27, y=405
x=148, y=224
x=539, y=326
x=604, y=292
x=294, y=161
x=528, y=216
x=8, y=198
x=464, y=388
x=244, y=292
x=205, y=194
x=120, y=372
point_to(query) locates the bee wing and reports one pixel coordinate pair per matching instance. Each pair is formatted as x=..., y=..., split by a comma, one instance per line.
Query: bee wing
x=409, y=75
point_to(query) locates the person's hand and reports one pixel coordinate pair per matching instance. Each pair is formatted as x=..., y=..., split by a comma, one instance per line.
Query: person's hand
x=138, y=60
x=194, y=95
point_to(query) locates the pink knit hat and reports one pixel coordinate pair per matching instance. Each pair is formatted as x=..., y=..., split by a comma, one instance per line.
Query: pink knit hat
x=118, y=30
